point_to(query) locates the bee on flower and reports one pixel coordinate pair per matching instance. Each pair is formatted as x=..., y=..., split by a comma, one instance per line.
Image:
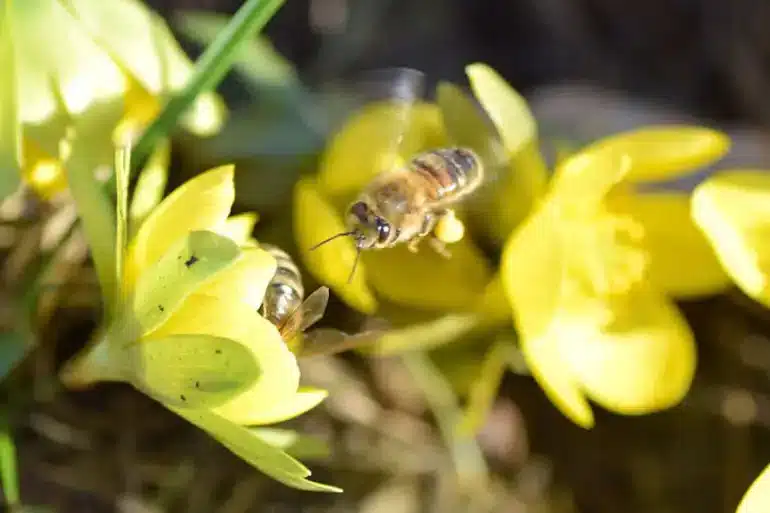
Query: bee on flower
x=184, y=326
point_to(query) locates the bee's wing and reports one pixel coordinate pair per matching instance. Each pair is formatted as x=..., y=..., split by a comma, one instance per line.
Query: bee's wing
x=329, y=341
x=402, y=88
x=306, y=314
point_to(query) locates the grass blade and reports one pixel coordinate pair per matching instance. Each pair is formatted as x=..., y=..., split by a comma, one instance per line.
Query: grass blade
x=9, y=477
x=210, y=69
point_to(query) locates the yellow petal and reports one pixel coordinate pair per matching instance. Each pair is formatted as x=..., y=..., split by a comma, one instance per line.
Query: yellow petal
x=201, y=203
x=279, y=380
x=531, y=270
x=507, y=109
x=681, y=261
x=733, y=210
x=303, y=401
x=315, y=220
x=640, y=361
x=244, y=280
x=374, y=139
x=426, y=279
x=757, y=498
x=553, y=374
x=239, y=227
x=664, y=152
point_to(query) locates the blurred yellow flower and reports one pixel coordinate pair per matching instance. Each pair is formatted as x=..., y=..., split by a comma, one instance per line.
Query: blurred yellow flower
x=733, y=210
x=359, y=151
x=757, y=498
x=589, y=272
x=187, y=331
x=89, y=67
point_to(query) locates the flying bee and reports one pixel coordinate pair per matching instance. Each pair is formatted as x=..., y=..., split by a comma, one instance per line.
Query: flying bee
x=286, y=306
x=416, y=201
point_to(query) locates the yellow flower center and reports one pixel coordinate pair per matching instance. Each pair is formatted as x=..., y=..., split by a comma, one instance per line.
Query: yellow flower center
x=603, y=257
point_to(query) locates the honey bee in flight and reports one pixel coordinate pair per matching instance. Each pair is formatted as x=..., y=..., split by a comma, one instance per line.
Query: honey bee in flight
x=286, y=306
x=413, y=202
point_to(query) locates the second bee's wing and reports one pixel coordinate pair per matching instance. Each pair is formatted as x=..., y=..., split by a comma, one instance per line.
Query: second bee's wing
x=308, y=313
x=329, y=341
x=401, y=88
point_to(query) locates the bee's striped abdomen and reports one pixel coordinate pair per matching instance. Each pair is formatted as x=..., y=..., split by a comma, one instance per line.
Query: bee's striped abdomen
x=285, y=291
x=451, y=172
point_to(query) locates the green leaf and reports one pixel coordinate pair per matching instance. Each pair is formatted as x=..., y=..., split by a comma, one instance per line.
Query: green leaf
x=150, y=186
x=95, y=208
x=10, y=129
x=187, y=264
x=8, y=472
x=484, y=388
x=425, y=335
x=197, y=371
x=242, y=442
x=295, y=444
x=13, y=347
x=209, y=70
x=467, y=456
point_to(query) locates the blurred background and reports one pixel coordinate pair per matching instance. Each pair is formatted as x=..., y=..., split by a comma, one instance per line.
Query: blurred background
x=590, y=68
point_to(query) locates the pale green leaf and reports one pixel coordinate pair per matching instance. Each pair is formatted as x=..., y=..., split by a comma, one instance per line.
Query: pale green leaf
x=484, y=389
x=150, y=185
x=10, y=136
x=425, y=335
x=296, y=444
x=200, y=371
x=122, y=170
x=254, y=450
x=95, y=208
x=181, y=270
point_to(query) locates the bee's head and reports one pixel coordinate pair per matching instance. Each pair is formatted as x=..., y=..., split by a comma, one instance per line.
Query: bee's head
x=367, y=228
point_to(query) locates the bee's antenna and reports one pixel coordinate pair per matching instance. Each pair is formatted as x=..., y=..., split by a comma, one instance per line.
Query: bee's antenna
x=355, y=264
x=343, y=234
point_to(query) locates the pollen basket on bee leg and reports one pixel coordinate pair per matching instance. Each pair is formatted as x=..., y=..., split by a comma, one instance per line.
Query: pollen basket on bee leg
x=449, y=228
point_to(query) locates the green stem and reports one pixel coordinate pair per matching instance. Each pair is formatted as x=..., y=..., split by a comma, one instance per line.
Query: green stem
x=9, y=477
x=209, y=70
x=467, y=456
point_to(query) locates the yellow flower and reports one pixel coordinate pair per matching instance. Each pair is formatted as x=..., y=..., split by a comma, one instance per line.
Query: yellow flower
x=187, y=331
x=757, y=498
x=589, y=272
x=733, y=210
x=85, y=67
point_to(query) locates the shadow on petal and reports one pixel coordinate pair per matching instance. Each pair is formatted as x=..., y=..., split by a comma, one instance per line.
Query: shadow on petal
x=426, y=279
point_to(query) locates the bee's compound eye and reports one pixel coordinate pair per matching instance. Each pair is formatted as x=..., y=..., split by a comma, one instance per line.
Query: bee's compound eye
x=359, y=210
x=383, y=229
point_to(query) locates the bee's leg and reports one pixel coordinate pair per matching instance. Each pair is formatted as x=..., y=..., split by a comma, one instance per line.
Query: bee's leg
x=428, y=223
x=439, y=246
